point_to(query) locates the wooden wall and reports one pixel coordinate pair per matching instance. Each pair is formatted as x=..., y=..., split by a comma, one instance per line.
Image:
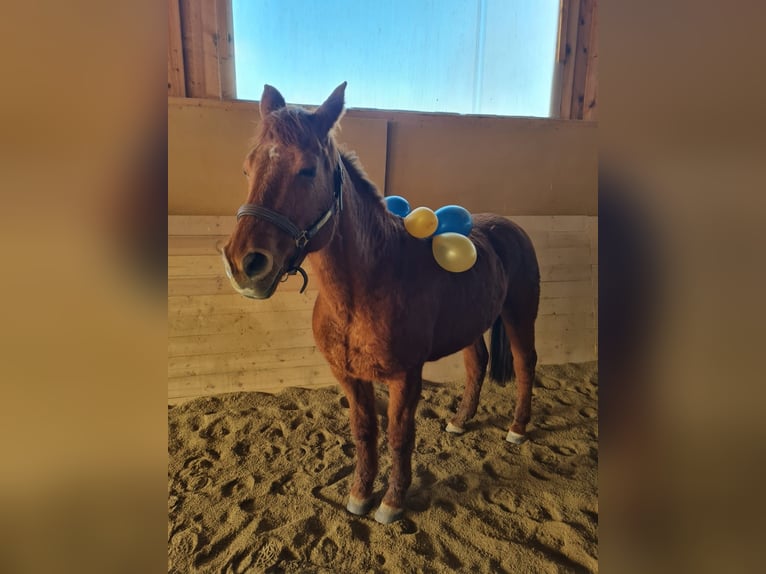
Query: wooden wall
x=513, y=166
x=220, y=341
x=542, y=173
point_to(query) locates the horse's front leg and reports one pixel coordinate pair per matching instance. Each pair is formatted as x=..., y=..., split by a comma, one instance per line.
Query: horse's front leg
x=364, y=430
x=403, y=397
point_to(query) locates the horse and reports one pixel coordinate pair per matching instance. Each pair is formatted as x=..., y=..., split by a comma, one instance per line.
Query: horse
x=384, y=306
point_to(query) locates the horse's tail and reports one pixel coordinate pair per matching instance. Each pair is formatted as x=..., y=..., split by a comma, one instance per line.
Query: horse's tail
x=500, y=357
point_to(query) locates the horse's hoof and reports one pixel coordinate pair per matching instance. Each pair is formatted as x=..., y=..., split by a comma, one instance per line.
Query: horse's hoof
x=387, y=514
x=515, y=438
x=359, y=506
x=453, y=429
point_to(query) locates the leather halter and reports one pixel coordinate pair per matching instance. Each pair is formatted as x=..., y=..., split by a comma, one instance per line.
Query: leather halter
x=301, y=237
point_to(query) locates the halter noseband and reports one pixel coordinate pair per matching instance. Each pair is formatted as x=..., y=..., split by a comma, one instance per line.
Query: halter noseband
x=301, y=237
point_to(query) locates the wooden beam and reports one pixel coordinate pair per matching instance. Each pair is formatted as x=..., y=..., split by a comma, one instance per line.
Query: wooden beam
x=225, y=46
x=561, y=47
x=570, y=47
x=176, y=76
x=207, y=33
x=590, y=108
x=199, y=27
x=581, y=58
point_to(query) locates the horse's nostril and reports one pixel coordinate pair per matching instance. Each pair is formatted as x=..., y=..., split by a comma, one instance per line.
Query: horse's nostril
x=255, y=263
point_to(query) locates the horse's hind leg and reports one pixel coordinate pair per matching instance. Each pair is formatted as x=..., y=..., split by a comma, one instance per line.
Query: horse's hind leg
x=476, y=358
x=521, y=333
x=364, y=429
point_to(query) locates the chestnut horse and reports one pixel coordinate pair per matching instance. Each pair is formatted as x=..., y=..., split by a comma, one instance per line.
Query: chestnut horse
x=385, y=306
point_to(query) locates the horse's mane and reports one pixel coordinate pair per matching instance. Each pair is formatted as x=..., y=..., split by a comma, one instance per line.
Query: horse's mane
x=354, y=166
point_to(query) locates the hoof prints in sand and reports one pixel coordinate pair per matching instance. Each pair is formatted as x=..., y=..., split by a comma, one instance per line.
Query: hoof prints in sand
x=258, y=483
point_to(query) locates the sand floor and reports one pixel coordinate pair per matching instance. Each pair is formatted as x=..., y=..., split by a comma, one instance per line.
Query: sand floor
x=258, y=483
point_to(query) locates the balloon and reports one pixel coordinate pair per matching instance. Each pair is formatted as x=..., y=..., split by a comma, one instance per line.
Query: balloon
x=421, y=222
x=455, y=219
x=397, y=205
x=453, y=251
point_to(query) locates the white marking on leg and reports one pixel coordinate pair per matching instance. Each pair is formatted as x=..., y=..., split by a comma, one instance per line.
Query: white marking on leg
x=515, y=438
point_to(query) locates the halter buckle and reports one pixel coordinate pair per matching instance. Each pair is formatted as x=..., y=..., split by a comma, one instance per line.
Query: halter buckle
x=302, y=240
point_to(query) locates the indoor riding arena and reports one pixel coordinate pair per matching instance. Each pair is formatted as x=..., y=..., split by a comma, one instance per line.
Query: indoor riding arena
x=264, y=437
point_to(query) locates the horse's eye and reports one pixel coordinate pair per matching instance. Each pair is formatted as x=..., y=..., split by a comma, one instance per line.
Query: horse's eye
x=308, y=172
x=245, y=172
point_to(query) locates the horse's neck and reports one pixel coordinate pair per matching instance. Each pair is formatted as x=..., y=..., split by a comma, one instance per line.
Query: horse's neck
x=346, y=266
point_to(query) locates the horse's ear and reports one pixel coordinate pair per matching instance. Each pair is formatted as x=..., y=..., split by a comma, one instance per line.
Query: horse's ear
x=271, y=100
x=331, y=110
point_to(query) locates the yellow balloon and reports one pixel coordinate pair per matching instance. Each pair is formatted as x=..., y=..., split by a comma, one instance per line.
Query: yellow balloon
x=454, y=252
x=421, y=222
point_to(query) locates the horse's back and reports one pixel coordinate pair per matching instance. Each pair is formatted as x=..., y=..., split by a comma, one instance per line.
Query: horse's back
x=512, y=245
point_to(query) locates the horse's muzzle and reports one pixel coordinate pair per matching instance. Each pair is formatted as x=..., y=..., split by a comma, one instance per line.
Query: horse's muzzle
x=259, y=280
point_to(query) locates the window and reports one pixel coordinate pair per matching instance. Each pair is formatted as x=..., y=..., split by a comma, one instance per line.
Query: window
x=460, y=56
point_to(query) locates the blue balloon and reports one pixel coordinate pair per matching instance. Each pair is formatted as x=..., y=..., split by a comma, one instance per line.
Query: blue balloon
x=453, y=219
x=397, y=205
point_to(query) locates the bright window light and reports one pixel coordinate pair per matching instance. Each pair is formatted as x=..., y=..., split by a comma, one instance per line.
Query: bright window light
x=460, y=56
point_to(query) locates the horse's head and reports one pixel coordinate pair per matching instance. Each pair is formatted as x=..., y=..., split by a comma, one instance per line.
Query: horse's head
x=294, y=183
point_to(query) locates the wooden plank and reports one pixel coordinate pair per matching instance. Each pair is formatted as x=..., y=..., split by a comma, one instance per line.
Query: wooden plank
x=196, y=244
x=590, y=107
x=199, y=286
x=565, y=289
x=570, y=48
x=566, y=306
x=561, y=47
x=561, y=53
x=176, y=75
x=210, y=49
x=550, y=222
x=581, y=58
x=250, y=381
x=190, y=387
x=244, y=322
x=235, y=303
x=195, y=266
x=185, y=345
x=565, y=272
x=574, y=348
x=219, y=225
x=564, y=255
x=192, y=268
x=220, y=285
x=542, y=239
x=225, y=47
x=199, y=30
x=227, y=362
x=559, y=325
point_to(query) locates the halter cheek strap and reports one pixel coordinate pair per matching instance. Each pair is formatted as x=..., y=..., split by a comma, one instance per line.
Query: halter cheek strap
x=300, y=237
